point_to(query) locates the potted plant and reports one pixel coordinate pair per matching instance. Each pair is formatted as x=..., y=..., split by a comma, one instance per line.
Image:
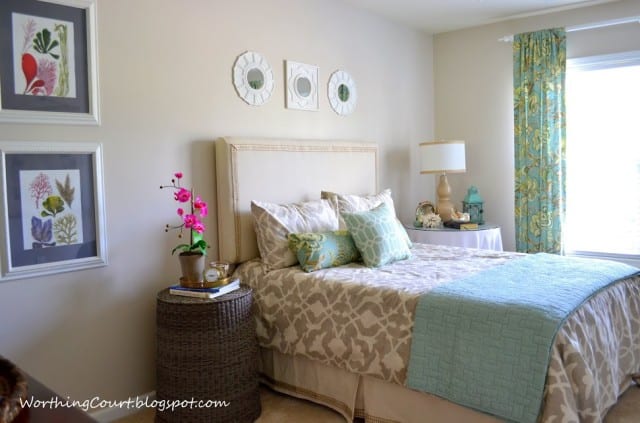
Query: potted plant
x=191, y=209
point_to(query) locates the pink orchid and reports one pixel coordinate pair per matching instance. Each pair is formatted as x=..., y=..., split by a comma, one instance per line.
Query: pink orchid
x=190, y=221
x=198, y=227
x=182, y=195
x=201, y=206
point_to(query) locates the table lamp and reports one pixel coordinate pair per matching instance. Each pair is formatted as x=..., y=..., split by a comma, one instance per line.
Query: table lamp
x=443, y=157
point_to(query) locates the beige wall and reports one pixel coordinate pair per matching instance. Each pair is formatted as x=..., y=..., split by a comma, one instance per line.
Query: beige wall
x=166, y=93
x=474, y=98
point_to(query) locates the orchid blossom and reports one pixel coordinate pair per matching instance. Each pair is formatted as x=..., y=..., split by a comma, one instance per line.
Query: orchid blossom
x=189, y=218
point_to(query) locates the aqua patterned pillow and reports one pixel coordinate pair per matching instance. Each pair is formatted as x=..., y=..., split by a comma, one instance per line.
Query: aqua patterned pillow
x=378, y=236
x=317, y=251
x=351, y=203
x=273, y=222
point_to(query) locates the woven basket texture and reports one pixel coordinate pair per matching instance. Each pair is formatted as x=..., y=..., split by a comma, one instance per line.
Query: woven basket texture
x=207, y=350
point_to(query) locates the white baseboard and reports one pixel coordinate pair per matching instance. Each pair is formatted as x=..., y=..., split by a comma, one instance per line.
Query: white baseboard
x=107, y=415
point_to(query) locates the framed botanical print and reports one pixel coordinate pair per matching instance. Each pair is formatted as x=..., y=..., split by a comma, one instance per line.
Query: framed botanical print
x=48, y=69
x=52, y=208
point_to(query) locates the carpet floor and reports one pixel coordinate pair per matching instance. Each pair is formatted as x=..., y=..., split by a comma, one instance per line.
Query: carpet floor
x=279, y=408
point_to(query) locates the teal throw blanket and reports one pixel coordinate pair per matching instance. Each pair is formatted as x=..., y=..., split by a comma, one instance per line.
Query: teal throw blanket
x=485, y=341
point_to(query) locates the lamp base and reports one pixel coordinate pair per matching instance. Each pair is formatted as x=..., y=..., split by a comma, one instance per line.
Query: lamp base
x=445, y=206
x=445, y=210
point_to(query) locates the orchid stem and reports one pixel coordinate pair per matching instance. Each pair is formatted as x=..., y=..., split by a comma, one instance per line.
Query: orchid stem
x=191, y=230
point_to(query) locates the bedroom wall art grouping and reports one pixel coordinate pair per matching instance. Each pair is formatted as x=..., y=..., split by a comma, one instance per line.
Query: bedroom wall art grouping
x=254, y=83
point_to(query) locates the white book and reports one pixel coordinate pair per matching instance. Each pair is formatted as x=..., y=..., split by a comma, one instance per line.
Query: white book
x=205, y=292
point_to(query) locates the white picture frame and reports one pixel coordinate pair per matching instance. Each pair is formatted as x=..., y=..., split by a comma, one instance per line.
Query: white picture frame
x=253, y=78
x=51, y=209
x=342, y=92
x=302, y=86
x=80, y=106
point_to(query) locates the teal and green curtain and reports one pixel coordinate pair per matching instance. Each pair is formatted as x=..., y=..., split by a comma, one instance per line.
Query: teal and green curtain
x=539, y=68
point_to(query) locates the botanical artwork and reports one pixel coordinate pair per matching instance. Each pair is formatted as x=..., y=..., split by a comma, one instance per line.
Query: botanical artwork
x=43, y=56
x=51, y=208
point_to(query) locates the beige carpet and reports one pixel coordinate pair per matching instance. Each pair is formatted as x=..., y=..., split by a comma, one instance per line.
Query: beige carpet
x=278, y=408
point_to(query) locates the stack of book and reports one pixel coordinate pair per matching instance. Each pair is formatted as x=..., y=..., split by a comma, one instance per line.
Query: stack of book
x=463, y=226
x=205, y=292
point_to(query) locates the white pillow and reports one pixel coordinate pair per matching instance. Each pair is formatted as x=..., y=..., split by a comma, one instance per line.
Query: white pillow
x=351, y=203
x=274, y=222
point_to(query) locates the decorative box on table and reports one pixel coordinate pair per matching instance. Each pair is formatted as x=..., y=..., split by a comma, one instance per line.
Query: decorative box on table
x=474, y=205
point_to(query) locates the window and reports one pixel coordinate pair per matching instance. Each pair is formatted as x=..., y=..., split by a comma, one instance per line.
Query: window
x=603, y=156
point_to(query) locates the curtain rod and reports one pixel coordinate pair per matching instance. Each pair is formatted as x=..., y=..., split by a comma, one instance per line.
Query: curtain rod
x=583, y=27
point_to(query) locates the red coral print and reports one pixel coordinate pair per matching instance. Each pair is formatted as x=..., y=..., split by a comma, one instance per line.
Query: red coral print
x=29, y=68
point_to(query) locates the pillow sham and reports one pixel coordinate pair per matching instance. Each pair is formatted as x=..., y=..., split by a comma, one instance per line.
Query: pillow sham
x=321, y=250
x=351, y=203
x=377, y=236
x=273, y=222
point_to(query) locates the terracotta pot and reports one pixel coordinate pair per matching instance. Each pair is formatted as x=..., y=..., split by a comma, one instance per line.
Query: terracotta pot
x=192, y=265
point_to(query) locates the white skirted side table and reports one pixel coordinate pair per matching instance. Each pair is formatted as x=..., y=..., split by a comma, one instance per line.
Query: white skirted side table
x=487, y=237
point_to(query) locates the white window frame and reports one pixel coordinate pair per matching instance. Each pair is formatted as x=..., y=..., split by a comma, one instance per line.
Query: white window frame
x=630, y=58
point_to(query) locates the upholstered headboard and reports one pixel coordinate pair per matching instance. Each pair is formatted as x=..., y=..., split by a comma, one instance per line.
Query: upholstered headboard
x=282, y=171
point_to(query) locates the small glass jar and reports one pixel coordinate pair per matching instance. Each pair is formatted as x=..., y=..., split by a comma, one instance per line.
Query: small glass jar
x=217, y=270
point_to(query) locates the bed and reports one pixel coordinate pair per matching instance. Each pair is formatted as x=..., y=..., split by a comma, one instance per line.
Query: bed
x=348, y=344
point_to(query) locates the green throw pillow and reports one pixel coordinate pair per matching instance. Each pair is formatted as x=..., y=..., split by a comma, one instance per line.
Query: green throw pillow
x=378, y=236
x=320, y=250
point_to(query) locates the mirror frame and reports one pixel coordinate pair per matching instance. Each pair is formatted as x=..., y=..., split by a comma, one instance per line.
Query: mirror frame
x=294, y=71
x=338, y=78
x=244, y=63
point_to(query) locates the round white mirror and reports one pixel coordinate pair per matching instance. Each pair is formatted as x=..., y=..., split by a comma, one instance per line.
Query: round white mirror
x=253, y=78
x=303, y=87
x=342, y=92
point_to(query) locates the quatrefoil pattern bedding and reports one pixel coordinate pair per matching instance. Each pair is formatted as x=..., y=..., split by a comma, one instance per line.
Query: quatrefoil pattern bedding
x=360, y=319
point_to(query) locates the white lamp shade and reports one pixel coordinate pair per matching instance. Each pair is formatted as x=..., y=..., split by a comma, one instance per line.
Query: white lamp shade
x=442, y=157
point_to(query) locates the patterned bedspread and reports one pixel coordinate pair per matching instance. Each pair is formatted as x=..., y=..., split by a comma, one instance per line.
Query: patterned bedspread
x=361, y=319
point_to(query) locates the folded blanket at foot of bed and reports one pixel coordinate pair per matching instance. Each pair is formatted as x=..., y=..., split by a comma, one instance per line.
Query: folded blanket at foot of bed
x=484, y=341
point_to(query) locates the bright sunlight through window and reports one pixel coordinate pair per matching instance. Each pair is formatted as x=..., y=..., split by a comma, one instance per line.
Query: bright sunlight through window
x=603, y=155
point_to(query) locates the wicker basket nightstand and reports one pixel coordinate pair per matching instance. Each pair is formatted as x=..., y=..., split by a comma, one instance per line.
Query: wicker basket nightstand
x=207, y=350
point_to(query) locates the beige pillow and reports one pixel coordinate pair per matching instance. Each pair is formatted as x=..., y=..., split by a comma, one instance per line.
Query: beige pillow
x=274, y=222
x=352, y=203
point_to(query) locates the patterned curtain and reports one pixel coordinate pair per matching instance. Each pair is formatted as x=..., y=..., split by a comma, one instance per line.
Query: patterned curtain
x=539, y=67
